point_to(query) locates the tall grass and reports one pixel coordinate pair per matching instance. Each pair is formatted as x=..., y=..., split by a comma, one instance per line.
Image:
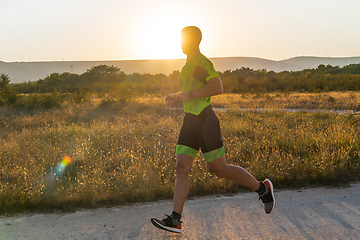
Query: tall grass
x=125, y=152
x=329, y=100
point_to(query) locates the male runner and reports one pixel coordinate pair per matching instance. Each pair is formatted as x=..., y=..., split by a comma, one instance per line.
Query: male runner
x=201, y=130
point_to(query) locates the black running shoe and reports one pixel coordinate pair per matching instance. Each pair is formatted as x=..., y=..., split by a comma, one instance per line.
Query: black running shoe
x=169, y=224
x=268, y=196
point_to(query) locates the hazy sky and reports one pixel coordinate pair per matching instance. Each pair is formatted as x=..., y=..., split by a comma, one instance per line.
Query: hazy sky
x=56, y=30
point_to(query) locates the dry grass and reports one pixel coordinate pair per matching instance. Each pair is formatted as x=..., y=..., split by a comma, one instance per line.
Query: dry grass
x=330, y=100
x=126, y=152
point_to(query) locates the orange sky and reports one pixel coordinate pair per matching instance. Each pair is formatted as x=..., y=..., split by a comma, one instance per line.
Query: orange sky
x=49, y=30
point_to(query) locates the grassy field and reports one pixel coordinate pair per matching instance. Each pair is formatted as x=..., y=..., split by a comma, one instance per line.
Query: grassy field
x=125, y=152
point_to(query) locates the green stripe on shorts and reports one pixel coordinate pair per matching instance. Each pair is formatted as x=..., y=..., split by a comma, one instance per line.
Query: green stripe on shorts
x=211, y=156
x=186, y=150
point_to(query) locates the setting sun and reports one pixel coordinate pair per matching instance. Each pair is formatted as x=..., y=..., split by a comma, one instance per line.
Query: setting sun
x=159, y=36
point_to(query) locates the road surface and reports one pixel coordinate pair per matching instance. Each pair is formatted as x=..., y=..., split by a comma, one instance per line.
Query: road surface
x=321, y=213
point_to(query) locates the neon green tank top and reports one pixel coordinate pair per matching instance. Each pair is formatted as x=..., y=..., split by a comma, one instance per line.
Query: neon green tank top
x=195, y=74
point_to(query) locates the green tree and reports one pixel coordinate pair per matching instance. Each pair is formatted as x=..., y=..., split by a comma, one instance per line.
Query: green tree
x=4, y=81
x=104, y=74
x=7, y=95
x=52, y=82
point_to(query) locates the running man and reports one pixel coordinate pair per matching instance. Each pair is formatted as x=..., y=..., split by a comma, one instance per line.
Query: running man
x=201, y=130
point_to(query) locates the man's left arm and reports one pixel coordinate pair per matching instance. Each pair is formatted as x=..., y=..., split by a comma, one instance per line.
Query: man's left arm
x=214, y=87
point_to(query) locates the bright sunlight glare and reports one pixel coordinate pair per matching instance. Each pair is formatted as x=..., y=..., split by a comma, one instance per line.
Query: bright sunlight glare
x=159, y=37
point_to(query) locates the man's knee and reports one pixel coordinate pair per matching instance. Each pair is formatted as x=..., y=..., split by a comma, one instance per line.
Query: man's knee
x=219, y=167
x=181, y=168
x=183, y=164
x=220, y=171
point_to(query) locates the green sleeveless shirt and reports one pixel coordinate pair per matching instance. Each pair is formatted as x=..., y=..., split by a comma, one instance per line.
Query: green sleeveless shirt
x=195, y=74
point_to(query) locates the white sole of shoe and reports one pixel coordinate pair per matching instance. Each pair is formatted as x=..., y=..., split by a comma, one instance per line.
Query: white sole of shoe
x=170, y=229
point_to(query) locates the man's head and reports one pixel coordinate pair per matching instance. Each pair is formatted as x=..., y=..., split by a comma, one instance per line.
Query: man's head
x=190, y=39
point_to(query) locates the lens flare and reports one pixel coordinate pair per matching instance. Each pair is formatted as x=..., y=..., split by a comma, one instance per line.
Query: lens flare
x=54, y=176
x=60, y=168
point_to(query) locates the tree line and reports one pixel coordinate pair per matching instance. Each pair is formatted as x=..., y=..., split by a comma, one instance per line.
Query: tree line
x=322, y=79
x=111, y=80
x=101, y=79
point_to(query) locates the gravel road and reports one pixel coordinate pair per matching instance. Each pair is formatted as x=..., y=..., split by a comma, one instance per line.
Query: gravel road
x=321, y=213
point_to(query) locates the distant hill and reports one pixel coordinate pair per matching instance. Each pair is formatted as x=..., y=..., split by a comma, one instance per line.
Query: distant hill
x=32, y=71
x=313, y=62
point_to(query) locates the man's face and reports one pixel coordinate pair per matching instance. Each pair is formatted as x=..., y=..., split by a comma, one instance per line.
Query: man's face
x=185, y=43
x=188, y=43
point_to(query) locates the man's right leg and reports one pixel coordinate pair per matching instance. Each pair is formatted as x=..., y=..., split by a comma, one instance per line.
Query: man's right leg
x=172, y=222
x=182, y=182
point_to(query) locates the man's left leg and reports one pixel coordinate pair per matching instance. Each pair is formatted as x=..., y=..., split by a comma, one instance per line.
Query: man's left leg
x=238, y=174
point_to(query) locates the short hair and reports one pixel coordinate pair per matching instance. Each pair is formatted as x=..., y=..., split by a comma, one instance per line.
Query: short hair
x=192, y=32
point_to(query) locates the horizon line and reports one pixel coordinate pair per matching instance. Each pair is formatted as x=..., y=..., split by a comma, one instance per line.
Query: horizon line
x=162, y=59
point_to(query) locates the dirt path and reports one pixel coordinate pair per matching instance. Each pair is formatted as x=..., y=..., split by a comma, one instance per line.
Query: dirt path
x=307, y=214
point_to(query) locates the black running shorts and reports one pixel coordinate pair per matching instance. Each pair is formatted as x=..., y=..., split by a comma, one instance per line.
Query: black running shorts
x=201, y=132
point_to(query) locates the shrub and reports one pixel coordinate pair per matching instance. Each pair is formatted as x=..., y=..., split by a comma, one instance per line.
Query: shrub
x=55, y=99
x=2, y=100
x=80, y=95
x=38, y=100
x=33, y=101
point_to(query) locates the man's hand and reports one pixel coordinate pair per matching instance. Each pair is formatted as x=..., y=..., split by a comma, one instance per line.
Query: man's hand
x=172, y=98
x=184, y=96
